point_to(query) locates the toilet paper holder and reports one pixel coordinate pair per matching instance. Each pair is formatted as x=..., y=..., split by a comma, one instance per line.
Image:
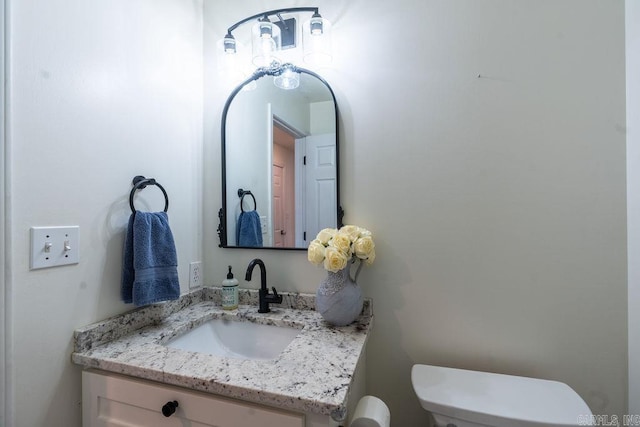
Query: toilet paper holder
x=371, y=412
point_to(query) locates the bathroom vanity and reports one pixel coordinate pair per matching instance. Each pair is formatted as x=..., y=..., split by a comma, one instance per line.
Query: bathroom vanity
x=131, y=376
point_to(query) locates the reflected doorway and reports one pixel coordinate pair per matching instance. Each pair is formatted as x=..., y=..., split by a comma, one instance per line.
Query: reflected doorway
x=283, y=183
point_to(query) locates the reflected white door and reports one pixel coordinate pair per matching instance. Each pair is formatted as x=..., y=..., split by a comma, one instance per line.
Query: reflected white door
x=321, y=183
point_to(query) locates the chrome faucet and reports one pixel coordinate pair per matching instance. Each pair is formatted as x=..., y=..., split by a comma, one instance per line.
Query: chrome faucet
x=264, y=297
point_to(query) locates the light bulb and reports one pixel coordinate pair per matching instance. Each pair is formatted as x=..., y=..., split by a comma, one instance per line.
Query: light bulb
x=265, y=42
x=233, y=67
x=267, y=48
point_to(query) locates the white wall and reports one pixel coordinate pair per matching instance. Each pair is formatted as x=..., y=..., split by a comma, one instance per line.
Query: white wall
x=98, y=92
x=252, y=157
x=322, y=117
x=632, y=18
x=497, y=202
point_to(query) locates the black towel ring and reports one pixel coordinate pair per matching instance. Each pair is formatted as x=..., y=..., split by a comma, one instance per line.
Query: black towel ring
x=242, y=193
x=140, y=182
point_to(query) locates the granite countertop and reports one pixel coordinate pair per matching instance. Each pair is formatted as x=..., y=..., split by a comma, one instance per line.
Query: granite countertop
x=313, y=374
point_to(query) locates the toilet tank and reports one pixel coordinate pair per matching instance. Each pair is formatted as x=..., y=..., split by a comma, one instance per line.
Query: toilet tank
x=497, y=400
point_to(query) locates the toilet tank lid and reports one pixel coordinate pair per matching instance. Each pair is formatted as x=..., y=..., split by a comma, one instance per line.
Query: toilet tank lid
x=496, y=399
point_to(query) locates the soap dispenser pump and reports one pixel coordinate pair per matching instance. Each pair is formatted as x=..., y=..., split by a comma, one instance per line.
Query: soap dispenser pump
x=230, y=292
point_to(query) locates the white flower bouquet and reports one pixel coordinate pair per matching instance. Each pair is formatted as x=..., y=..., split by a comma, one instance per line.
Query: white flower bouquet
x=335, y=248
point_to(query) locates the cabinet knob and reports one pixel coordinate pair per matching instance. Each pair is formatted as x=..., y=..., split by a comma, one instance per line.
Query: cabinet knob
x=169, y=408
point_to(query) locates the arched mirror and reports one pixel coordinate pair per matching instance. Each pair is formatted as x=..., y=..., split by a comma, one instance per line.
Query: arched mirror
x=280, y=175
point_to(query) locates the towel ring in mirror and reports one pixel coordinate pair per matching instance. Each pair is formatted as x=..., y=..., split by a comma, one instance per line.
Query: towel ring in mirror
x=242, y=193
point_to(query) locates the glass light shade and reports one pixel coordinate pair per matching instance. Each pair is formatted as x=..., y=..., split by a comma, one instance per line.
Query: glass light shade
x=230, y=63
x=316, y=41
x=265, y=43
x=289, y=79
x=227, y=59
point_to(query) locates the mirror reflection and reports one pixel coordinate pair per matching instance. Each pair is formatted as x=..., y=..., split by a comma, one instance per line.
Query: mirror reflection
x=280, y=163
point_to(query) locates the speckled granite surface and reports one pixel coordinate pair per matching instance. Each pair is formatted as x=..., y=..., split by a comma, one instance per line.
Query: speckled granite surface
x=312, y=374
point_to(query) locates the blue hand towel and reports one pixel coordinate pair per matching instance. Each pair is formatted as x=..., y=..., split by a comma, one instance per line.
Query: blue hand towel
x=128, y=275
x=248, y=230
x=149, y=271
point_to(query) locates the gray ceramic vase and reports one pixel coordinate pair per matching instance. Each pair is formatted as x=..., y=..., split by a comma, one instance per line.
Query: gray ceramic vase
x=339, y=298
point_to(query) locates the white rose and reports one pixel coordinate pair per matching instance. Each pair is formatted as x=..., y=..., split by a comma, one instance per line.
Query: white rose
x=352, y=230
x=371, y=258
x=364, y=247
x=364, y=232
x=315, y=253
x=325, y=235
x=334, y=260
x=342, y=242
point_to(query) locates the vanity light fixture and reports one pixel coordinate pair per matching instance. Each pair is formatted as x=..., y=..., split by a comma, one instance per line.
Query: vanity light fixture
x=270, y=35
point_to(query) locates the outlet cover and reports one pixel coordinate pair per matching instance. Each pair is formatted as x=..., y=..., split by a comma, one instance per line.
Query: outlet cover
x=195, y=274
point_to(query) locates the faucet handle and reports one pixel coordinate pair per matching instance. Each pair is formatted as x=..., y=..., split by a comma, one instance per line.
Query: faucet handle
x=276, y=298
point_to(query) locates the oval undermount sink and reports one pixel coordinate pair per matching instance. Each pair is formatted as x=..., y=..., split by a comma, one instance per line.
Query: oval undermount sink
x=237, y=339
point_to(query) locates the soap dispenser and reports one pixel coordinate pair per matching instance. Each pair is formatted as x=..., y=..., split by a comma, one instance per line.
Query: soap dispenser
x=230, y=292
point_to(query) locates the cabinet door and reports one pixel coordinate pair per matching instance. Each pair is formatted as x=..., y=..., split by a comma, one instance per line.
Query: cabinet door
x=117, y=401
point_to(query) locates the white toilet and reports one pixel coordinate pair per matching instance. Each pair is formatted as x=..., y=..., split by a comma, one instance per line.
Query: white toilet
x=462, y=398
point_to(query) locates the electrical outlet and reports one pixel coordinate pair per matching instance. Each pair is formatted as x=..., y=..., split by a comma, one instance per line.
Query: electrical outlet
x=195, y=274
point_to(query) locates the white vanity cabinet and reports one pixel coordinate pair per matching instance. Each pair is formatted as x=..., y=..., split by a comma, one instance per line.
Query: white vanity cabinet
x=110, y=400
x=320, y=375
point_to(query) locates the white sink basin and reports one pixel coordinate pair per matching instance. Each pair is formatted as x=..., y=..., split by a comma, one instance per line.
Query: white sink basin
x=237, y=339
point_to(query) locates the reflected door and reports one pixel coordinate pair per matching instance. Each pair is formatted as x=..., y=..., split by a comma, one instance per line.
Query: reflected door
x=278, y=211
x=321, y=183
x=283, y=188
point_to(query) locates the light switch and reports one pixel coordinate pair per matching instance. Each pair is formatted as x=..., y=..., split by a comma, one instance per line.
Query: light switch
x=53, y=246
x=263, y=224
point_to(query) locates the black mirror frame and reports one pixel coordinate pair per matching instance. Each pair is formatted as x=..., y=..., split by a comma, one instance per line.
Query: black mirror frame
x=274, y=70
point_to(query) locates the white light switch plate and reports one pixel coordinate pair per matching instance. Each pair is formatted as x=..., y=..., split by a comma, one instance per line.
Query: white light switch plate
x=263, y=224
x=53, y=246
